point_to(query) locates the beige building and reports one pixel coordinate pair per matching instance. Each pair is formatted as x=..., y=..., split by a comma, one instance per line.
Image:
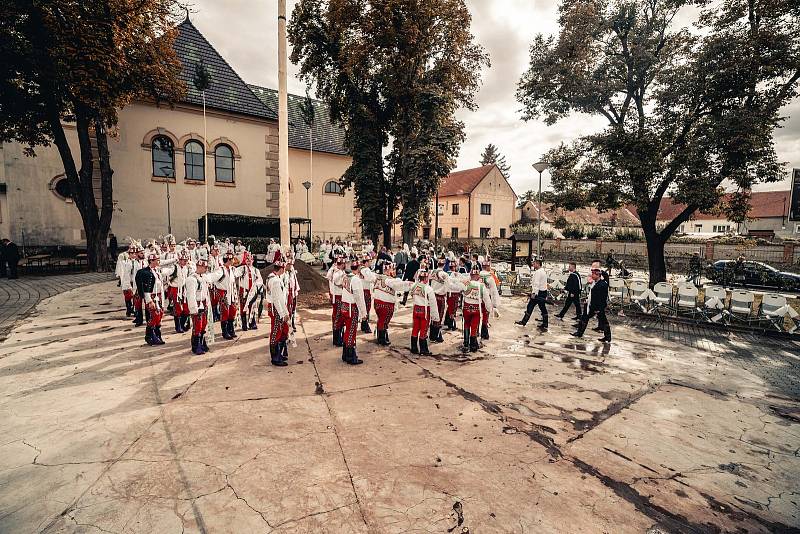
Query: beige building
x=163, y=165
x=475, y=203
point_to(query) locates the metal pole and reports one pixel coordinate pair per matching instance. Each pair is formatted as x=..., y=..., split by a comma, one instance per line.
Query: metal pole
x=539, y=229
x=169, y=214
x=205, y=177
x=436, y=223
x=283, y=128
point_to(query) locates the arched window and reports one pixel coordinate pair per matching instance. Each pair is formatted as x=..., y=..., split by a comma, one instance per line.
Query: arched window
x=60, y=187
x=223, y=163
x=333, y=188
x=163, y=152
x=194, y=161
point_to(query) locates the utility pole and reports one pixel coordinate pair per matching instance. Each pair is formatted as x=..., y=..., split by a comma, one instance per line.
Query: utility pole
x=283, y=129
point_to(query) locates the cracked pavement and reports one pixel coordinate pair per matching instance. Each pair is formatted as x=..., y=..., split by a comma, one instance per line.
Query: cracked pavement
x=665, y=430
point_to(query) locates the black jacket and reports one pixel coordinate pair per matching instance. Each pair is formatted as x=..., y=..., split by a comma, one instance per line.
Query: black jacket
x=598, y=296
x=11, y=252
x=145, y=281
x=573, y=285
x=411, y=269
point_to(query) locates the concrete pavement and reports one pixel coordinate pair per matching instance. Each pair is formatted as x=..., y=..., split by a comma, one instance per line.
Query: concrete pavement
x=662, y=431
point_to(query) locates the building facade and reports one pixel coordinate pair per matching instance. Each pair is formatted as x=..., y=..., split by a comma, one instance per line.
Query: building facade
x=163, y=165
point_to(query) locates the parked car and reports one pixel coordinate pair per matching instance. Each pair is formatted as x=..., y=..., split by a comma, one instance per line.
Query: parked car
x=752, y=274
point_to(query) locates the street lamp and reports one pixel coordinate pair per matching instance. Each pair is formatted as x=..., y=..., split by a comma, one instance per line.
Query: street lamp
x=540, y=166
x=307, y=185
x=168, y=172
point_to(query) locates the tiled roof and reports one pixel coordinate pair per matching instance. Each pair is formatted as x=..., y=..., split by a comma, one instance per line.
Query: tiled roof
x=227, y=91
x=327, y=136
x=762, y=204
x=463, y=182
x=586, y=216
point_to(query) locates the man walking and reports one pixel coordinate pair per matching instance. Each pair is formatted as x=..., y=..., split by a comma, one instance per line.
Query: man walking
x=598, y=300
x=573, y=290
x=10, y=256
x=538, y=296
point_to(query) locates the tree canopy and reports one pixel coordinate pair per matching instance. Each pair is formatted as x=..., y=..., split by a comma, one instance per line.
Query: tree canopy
x=80, y=62
x=690, y=111
x=394, y=69
x=491, y=156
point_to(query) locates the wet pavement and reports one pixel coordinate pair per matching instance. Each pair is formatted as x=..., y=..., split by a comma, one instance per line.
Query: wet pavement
x=671, y=428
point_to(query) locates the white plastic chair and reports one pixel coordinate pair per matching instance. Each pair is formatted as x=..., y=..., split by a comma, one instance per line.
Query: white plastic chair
x=663, y=296
x=773, y=310
x=686, y=300
x=639, y=295
x=616, y=287
x=741, y=305
x=714, y=303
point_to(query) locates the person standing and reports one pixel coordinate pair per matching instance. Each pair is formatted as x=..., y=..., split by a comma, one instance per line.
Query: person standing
x=410, y=272
x=490, y=281
x=198, y=300
x=151, y=292
x=385, y=290
x=227, y=297
x=440, y=286
x=138, y=263
x=279, y=316
x=695, y=268
x=335, y=274
x=538, y=296
x=598, y=300
x=176, y=292
x=573, y=290
x=112, y=247
x=250, y=284
x=475, y=297
x=425, y=311
x=368, y=281
x=353, y=307
x=10, y=257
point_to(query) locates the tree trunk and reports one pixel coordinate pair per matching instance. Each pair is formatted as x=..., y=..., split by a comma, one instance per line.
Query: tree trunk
x=409, y=235
x=655, y=257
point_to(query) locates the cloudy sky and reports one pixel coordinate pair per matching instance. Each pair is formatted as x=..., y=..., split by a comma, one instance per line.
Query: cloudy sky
x=245, y=33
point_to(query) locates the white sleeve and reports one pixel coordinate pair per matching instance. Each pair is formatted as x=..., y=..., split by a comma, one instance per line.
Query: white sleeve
x=487, y=299
x=191, y=298
x=493, y=293
x=358, y=295
x=277, y=299
x=368, y=275
x=454, y=285
x=432, y=303
x=398, y=285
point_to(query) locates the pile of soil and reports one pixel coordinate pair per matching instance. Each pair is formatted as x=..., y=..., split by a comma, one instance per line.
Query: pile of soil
x=313, y=285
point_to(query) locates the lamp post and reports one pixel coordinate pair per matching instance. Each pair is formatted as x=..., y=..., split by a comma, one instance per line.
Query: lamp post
x=307, y=185
x=540, y=167
x=436, y=224
x=168, y=172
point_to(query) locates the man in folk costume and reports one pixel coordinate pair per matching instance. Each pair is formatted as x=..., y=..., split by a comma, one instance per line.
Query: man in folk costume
x=475, y=298
x=138, y=263
x=385, y=289
x=176, y=291
x=214, y=265
x=227, y=297
x=292, y=286
x=352, y=307
x=279, y=317
x=453, y=300
x=439, y=284
x=425, y=311
x=273, y=251
x=151, y=291
x=368, y=277
x=334, y=276
x=490, y=281
x=123, y=272
x=250, y=284
x=198, y=299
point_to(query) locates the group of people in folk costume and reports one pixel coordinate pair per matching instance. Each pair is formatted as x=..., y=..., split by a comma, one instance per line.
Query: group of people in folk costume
x=436, y=294
x=205, y=283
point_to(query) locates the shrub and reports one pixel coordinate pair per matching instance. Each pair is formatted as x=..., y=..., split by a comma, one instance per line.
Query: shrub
x=629, y=236
x=573, y=232
x=594, y=233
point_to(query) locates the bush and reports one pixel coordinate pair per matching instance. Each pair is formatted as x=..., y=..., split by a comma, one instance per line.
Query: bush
x=629, y=236
x=560, y=222
x=573, y=232
x=594, y=234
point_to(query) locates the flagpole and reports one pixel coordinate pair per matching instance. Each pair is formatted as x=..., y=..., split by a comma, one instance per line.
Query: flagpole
x=283, y=129
x=205, y=160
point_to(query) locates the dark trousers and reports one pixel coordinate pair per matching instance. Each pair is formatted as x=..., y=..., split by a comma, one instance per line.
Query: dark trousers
x=540, y=299
x=602, y=321
x=571, y=299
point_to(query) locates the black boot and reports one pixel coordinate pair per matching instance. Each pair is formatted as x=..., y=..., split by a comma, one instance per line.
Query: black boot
x=128, y=308
x=284, y=351
x=452, y=326
x=473, y=344
x=253, y=324
x=215, y=314
x=185, y=322
x=345, y=353
x=337, y=338
x=365, y=327
x=414, y=345
x=484, y=331
x=524, y=319
x=386, y=337
x=203, y=344
x=231, y=331
x=157, y=335
x=423, y=348
x=352, y=357
x=244, y=322
x=436, y=335
x=138, y=318
x=178, y=325
x=275, y=357
x=196, y=348
x=148, y=336
x=223, y=325
x=543, y=327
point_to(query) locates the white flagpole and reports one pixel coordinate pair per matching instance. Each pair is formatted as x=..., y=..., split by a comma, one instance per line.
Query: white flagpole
x=283, y=129
x=205, y=161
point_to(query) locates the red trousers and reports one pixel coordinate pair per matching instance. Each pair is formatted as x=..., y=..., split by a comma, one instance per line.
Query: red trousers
x=452, y=303
x=199, y=323
x=227, y=312
x=279, y=329
x=216, y=295
x=137, y=302
x=419, y=327
x=472, y=318
x=485, y=314
x=128, y=294
x=368, y=301
x=180, y=309
x=440, y=306
x=338, y=321
x=156, y=313
x=384, y=311
x=349, y=314
x=172, y=294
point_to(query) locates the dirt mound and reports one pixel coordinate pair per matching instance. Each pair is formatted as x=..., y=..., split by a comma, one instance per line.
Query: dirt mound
x=313, y=285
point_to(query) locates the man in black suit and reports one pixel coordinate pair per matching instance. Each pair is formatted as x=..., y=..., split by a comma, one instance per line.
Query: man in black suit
x=410, y=273
x=10, y=256
x=2, y=258
x=598, y=300
x=573, y=290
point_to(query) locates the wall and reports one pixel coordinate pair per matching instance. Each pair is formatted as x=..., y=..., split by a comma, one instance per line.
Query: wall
x=706, y=226
x=494, y=190
x=332, y=215
x=779, y=225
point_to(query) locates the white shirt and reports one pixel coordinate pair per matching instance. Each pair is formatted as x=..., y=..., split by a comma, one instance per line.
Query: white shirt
x=539, y=280
x=386, y=288
x=353, y=293
x=423, y=295
x=277, y=295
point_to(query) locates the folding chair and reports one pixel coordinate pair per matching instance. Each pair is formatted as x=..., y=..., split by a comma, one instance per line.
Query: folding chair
x=616, y=293
x=741, y=306
x=714, y=303
x=663, y=297
x=686, y=301
x=774, y=309
x=639, y=295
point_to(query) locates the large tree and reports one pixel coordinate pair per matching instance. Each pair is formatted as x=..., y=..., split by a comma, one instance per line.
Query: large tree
x=79, y=63
x=394, y=69
x=492, y=156
x=690, y=111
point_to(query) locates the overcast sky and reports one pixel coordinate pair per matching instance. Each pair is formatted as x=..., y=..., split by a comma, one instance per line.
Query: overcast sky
x=245, y=33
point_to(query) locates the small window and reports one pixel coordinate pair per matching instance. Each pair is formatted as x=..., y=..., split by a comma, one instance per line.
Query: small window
x=223, y=164
x=60, y=186
x=455, y=209
x=438, y=233
x=163, y=153
x=194, y=161
x=502, y=233
x=333, y=188
x=454, y=233
x=426, y=233
x=486, y=209
x=485, y=233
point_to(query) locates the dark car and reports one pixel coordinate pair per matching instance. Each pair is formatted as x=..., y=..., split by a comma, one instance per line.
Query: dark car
x=752, y=274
